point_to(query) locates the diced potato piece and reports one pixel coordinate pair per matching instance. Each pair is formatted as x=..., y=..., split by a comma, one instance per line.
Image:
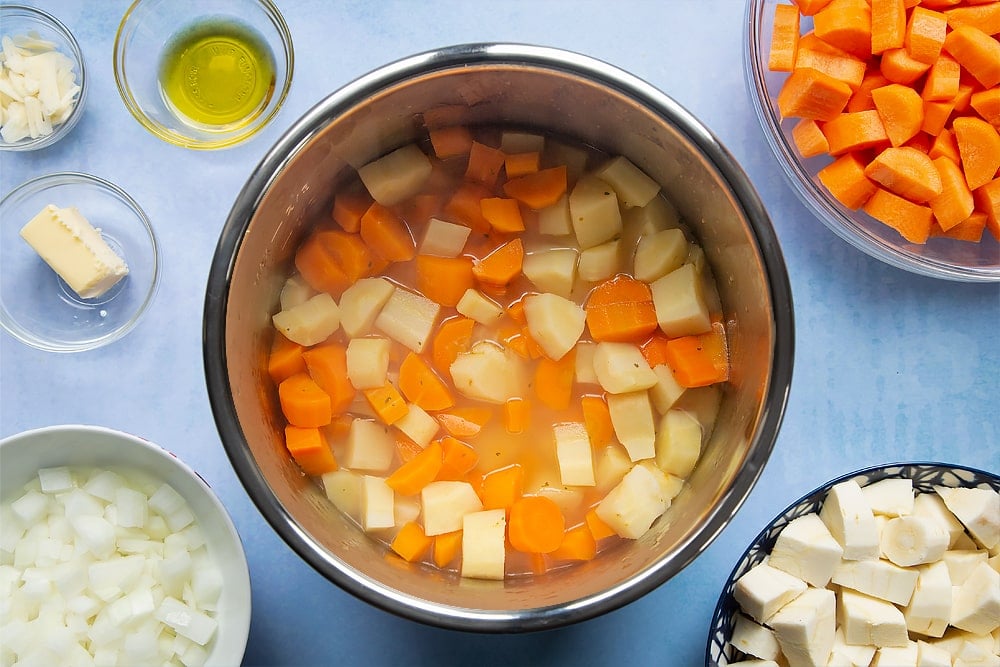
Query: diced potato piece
x=417, y=425
x=634, y=504
x=444, y=503
x=703, y=404
x=488, y=373
x=632, y=419
x=599, y=262
x=310, y=322
x=621, y=368
x=479, y=307
x=343, y=488
x=584, y=372
x=678, y=443
x=593, y=208
x=408, y=318
x=444, y=239
x=576, y=461
x=657, y=215
x=369, y=446
x=612, y=464
x=659, y=253
x=670, y=485
x=513, y=141
x=554, y=322
x=407, y=510
x=552, y=270
x=633, y=185
x=361, y=303
x=295, y=291
x=568, y=498
x=555, y=220
x=679, y=300
x=396, y=176
x=483, y=548
x=573, y=156
x=666, y=391
x=368, y=362
x=377, y=503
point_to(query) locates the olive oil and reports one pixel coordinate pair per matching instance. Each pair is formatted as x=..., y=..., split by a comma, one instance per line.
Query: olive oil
x=217, y=73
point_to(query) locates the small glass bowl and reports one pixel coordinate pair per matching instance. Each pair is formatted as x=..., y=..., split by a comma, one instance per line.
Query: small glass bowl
x=925, y=476
x=36, y=306
x=149, y=26
x=17, y=20
x=939, y=257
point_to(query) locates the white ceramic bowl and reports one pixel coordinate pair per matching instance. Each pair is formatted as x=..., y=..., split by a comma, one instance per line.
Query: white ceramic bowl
x=925, y=476
x=23, y=454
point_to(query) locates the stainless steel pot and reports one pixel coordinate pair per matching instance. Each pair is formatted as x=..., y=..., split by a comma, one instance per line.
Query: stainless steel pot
x=551, y=91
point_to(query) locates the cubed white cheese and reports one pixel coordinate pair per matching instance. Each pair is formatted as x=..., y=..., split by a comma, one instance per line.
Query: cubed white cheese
x=806, y=549
x=850, y=520
x=870, y=621
x=763, y=590
x=483, y=550
x=806, y=626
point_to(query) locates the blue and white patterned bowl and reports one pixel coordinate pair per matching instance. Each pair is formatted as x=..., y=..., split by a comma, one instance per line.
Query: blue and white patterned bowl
x=925, y=476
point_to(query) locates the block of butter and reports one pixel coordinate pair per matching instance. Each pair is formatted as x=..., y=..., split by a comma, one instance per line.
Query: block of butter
x=75, y=250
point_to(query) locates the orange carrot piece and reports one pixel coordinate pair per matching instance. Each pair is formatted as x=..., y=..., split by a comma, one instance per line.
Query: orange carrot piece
x=422, y=207
x=502, y=265
x=451, y=141
x=987, y=199
x=971, y=229
x=809, y=138
x=899, y=67
x=955, y=203
x=810, y=93
x=443, y=280
x=597, y=420
x=977, y=52
x=386, y=234
x=985, y=17
x=784, y=38
x=936, y=116
x=925, y=32
x=521, y=164
x=888, y=25
x=855, y=131
x=987, y=104
x=701, y=360
x=446, y=547
x=814, y=53
x=942, y=79
x=846, y=24
x=654, y=349
x=536, y=525
x=912, y=221
x=463, y=206
x=554, y=380
x=578, y=543
x=502, y=487
x=906, y=172
x=979, y=146
x=621, y=309
x=539, y=189
x=845, y=179
x=516, y=415
x=338, y=428
x=285, y=359
x=332, y=260
x=310, y=450
x=901, y=111
x=922, y=142
x=810, y=7
x=452, y=338
x=485, y=163
x=457, y=458
x=303, y=402
x=387, y=404
x=944, y=145
x=409, y=478
x=406, y=448
x=411, y=543
x=503, y=214
x=861, y=99
x=348, y=207
x=598, y=528
x=421, y=385
x=327, y=366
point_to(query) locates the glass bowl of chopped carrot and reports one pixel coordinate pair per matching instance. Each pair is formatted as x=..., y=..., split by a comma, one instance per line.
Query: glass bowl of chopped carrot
x=884, y=118
x=500, y=370
x=45, y=79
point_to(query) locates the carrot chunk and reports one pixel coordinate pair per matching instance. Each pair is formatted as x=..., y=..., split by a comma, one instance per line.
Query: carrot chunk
x=888, y=25
x=443, y=280
x=925, y=33
x=540, y=189
x=447, y=547
x=554, y=380
x=906, y=172
x=912, y=221
x=452, y=338
x=536, y=525
x=784, y=38
x=309, y=449
x=451, y=141
x=899, y=66
x=516, y=415
x=814, y=53
x=578, y=544
x=855, y=131
x=327, y=366
x=845, y=179
x=420, y=385
x=942, y=79
x=464, y=206
x=979, y=146
x=409, y=478
x=386, y=234
x=987, y=104
x=598, y=528
x=285, y=359
x=331, y=260
x=846, y=24
x=621, y=309
x=977, y=52
x=809, y=138
x=457, y=458
x=701, y=360
x=987, y=199
x=387, y=404
x=861, y=100
x=901, y=111
x=303, y=403
x=985, y=17
x=521, y=164
x=503, y=214
x=955, y=203
x=597, y=420
x=971, y=229
x=348, y=207
x=502, y=487
x=810, y=93
x=502, y=265
x=410, y=542
x=485, y=163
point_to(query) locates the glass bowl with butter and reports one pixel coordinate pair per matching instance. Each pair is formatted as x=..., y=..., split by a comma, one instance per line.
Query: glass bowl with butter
x=79, y=262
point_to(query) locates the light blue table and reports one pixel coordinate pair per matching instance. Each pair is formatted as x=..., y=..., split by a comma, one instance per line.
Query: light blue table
x=888, y=366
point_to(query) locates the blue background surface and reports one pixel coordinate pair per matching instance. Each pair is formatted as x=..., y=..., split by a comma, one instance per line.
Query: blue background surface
x=889, y=366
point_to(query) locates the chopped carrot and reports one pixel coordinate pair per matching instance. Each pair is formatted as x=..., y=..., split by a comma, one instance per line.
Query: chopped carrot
x=921, y=142
x=936, y=116
x=451, y=141
x=457, y=458
x=906, y=172
x=554, y=380
x=987, y=104
x=502, y=265
x=421, y=385
x=503, y=214
x=861, y=99
x=327, y=366
x=888, y=25
x=409, y=478
x=578, y=544
x=502, y=487
x=912, y=221
x=784, y=38
x=971, y=229
x=955, y=203
x=810, y=93
x=810, y=7
x=944, y=145
x=332, y=260
x=348, y=207
x=809, y=138
x=410, y=542
x=516, y=312
x=485, y=163
x=521, y=164
x=536, y=525
x=338, y=428
x=977, y=52
x=309, y=449
x=388, y=405
x=452, y=338
x=814, y=53
x=597, y=420
x=846, y=24
x=985, y=17
x=979, y=146
x=901, y=111
x=422, y=207
x=988, y=201
x=285, y=358
x=444, y=280
x=854, y=131
x=925, y=33
x=621, y=309
x=463, y=206
x=598, y=528
x=446, y=547
x=845, y=179
x=942, y=79
x=654, y=349
x=516, y=415
x=540, y=189
x=700, y=360
x=899, y=67
x=406, y=448
x=303, y=402
x=386, y=234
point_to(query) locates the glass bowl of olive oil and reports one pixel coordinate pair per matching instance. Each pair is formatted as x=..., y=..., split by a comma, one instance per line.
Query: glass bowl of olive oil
x=203, y=75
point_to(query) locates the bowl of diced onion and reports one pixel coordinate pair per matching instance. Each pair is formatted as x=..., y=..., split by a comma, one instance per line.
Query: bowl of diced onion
x=43, y=79
x=114, y=551
x=901, y=551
